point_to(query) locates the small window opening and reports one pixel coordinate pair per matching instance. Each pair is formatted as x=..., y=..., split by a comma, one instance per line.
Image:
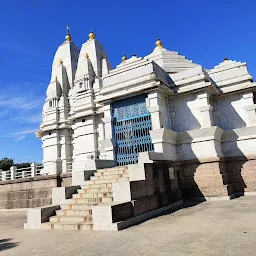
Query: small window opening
x=254, y=98
x=80, y=85
x=83, y=120
x=50, y=103
x=50, y=133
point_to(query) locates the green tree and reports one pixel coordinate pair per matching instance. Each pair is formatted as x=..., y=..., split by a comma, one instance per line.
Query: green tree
x=22, y=165
x=6, y=163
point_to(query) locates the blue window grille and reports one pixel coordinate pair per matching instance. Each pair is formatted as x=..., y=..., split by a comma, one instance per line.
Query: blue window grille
x=131, y=126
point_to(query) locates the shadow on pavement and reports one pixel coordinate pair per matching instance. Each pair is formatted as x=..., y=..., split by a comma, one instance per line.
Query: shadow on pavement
x=5, y=244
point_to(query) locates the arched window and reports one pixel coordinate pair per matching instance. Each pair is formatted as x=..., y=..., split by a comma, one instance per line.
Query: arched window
x=50, y=103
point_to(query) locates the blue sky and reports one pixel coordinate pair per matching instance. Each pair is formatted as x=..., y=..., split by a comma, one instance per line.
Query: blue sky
x=31, y=31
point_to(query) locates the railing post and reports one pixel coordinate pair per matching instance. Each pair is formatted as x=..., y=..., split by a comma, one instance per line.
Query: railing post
x=33, y=169
x=13, y=172
x=2, y=175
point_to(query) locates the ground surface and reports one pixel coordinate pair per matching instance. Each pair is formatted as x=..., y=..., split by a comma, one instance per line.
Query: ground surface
x=210, y=228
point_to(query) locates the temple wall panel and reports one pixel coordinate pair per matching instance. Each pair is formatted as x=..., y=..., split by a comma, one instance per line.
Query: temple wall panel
x=229, y=112
x=185, y=114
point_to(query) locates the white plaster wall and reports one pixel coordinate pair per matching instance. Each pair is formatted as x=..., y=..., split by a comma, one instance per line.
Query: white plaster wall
x=184, y=113
x=229, y=112
x=85, y=136
x=51, y=149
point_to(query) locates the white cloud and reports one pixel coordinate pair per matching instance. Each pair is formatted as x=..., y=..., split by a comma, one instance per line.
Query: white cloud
x=18, y=136
x=24, y=103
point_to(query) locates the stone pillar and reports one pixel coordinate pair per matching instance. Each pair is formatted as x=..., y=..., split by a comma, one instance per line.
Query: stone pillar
x=66, y=149
x=250, y=109
x=107, y=142
x=163, y=138
x=206, y=109
x=154, y=101
x=13, y=172
x=33, y=169
x=51, y=151
x=164, y=141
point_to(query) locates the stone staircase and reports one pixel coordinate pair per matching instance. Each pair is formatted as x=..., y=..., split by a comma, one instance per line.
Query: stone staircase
x=76, y=213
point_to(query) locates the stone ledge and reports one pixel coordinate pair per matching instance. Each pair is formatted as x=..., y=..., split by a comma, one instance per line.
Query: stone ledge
x=148, y=215
x=29, y=179
x=214, y=159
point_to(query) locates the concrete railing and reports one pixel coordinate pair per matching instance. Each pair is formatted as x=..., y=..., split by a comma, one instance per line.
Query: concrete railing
x=19, y=173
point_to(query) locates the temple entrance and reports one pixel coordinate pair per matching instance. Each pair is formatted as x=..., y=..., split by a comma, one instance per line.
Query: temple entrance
x=131, y=126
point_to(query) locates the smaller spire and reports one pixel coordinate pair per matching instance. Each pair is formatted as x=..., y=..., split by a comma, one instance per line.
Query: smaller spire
x=225, y=58
x=159, y=43
x=92, y=35
x=124, y=58
x=68, y=36
x=134, y=55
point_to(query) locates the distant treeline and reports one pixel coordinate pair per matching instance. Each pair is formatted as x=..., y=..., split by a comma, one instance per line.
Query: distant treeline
x=7, y=163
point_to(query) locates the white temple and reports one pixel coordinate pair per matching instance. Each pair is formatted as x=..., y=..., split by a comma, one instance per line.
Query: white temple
x=95, y=116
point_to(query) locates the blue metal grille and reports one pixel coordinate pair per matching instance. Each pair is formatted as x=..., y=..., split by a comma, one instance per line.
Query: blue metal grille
x=131, y=126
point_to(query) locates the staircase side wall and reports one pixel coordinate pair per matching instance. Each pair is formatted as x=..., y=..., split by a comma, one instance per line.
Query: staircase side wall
x=30, y=192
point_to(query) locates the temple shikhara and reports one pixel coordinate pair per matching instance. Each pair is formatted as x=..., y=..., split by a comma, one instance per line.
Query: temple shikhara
x=132, y=141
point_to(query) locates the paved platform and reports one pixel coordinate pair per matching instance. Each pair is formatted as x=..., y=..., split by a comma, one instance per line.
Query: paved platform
x=209, y=228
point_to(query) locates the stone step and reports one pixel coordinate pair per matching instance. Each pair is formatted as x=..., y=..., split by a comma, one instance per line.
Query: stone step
x=88, y=200
x=70, y=219
x=86, y=226
x=67, y=226
x=94, y=190
x=101, y=173
x=113, y=169
x=74, y=212
x=92, y=195
x=108, y=177
x=93, y=200
x=76, y=206
x=105, y=181
x=105, y=185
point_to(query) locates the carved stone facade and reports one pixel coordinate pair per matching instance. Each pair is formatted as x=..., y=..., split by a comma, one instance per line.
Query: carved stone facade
x=196, y=114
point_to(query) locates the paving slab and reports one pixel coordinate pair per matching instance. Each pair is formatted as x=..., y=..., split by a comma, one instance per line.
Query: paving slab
x=209, y=228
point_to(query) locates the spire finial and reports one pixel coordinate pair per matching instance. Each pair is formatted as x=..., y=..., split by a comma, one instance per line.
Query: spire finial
x=92, y=35
x=68, y=36
x=124, y=58
x=159, y=43
x=225, y=58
